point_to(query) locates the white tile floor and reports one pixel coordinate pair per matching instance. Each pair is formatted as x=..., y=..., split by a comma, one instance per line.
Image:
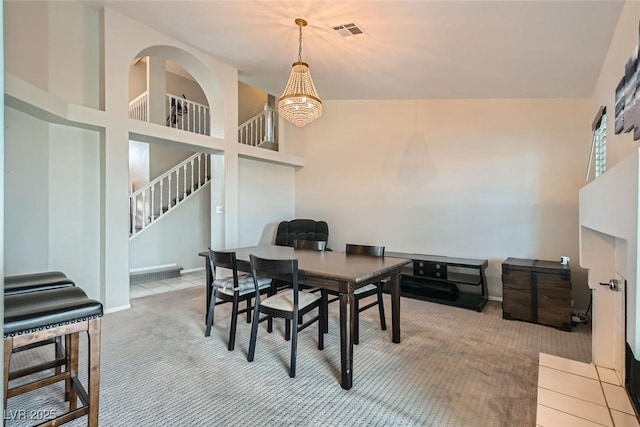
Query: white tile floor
x=574, y=393
x=186, y=280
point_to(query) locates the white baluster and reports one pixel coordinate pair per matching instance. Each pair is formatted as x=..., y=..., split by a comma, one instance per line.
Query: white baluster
x=153, y=211
x=177, y=186
x=144, y=222
x=184, y=186
x=199, y=171
x=161, y=191
x=169, y=195
x=192, y=182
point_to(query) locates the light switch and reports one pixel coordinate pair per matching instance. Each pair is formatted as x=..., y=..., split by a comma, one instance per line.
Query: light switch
x=219, y=209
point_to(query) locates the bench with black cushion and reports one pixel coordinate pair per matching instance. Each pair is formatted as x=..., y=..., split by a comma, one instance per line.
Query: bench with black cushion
x=40, y=281
x=33, y=317
x=36, y=282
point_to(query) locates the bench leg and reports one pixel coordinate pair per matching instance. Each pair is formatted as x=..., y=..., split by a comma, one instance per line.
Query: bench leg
x=94, y=371
x=74, y=343
x=8, y=350
x=67, y=358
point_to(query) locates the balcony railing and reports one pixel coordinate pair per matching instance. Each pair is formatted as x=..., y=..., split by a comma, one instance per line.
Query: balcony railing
x=260, y=130
x=181, y=113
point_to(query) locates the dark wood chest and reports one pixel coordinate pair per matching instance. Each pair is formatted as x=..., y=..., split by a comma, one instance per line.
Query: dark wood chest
x=537, y=291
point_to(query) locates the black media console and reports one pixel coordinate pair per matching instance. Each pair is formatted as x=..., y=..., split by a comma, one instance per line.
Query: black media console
x=459, y=282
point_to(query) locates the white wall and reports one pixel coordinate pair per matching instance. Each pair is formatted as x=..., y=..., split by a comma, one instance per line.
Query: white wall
x=467, y=178
x=74, y=205
x=164, y=157
x=251, y=101
x=52, y=200
x=266, y=194
x=26, y=195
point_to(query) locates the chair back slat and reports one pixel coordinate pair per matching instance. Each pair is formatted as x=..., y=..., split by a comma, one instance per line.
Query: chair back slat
x=286, y=269
x=377, y=251
x=316, y=245
x=224, y=260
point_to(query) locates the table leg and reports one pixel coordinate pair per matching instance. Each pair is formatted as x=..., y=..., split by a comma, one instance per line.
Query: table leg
x=346, y=339
x=208, y=282
x=395, y=306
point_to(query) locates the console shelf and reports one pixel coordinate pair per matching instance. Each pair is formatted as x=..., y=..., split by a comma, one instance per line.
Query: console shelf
x=459, y=282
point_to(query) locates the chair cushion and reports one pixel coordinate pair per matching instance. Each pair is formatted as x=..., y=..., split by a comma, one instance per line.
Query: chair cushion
x=32, y=311
x=36, y=282
x=368, y=288
x=283, y=300
x=245, y=284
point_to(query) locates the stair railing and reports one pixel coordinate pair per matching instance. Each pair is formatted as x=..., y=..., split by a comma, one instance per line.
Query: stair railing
x=160, y=196
x=259, y=129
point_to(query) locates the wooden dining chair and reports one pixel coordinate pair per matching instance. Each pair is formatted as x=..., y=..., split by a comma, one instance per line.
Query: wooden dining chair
x=288, y=304
x=234, y=289
x=368, y=290
x=316, y=245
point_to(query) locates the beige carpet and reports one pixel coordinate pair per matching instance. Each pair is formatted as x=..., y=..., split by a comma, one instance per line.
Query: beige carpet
x=454, y=367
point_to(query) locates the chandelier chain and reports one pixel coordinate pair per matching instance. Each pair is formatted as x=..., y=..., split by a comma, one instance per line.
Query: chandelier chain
x=300, y=44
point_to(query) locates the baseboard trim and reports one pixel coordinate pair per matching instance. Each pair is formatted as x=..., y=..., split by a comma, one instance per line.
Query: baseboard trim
x=499, y=299
x=114, y=309
x=153, y=267
x=191, y=270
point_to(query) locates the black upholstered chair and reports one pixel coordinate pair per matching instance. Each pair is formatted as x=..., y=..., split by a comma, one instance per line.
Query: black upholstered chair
x=373, y=289
x=302, y=229
x=234, y=289
x=288, y=304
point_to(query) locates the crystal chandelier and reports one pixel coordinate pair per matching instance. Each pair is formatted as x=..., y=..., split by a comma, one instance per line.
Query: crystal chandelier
x=299, y=102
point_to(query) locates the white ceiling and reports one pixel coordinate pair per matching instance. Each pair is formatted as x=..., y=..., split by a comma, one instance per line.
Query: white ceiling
x=412, y=49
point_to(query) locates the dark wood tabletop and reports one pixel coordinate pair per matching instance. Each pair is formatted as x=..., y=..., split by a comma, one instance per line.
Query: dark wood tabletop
x=335, y=271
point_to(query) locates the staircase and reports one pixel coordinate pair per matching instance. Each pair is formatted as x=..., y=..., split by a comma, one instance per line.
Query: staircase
x=162, y=195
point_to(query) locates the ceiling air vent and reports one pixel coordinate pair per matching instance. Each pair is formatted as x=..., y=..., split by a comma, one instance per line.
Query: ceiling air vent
x=349, y=30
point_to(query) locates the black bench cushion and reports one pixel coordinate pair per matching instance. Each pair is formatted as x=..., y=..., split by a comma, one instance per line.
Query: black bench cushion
x=36, y=310
x=36, y=282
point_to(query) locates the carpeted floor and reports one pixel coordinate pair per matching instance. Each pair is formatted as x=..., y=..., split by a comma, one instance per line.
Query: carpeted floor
x=454, y=367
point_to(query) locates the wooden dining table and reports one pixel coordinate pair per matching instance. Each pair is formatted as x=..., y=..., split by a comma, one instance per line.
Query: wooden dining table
x=335, y=271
